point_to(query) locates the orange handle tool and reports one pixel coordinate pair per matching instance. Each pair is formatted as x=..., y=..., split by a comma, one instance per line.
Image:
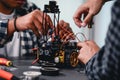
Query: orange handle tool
x=5, y=75
x=5, y=62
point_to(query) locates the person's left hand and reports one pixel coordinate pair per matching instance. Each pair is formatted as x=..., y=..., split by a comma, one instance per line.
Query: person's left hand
x=87, y=50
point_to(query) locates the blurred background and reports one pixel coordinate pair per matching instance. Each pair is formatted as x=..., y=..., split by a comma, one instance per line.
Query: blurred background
x=67, y=10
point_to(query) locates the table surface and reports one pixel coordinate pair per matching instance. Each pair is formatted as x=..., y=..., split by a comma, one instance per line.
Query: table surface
x=64, y=73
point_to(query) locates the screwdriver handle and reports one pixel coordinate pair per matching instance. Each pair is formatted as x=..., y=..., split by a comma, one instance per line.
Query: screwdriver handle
x=5, y=75
x=5, y=62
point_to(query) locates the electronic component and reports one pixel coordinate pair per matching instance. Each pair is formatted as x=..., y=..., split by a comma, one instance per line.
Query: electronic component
x=55, y=49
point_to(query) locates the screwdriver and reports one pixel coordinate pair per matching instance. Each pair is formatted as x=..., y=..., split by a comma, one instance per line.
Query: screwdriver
x=6, y=62
x=7, y=75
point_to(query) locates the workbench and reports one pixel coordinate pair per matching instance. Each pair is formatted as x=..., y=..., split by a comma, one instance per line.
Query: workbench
x=64, y=73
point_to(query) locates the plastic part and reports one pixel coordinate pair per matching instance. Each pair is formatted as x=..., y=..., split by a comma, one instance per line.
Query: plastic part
x=50, y=71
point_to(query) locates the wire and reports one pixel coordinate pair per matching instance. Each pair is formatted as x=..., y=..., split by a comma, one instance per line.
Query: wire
x=82, y=35
x=72, y=34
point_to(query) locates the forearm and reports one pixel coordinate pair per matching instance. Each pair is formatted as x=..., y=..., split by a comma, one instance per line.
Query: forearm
x=10, y=28
x=94, y=67
x=106, y=64
x=5, y=36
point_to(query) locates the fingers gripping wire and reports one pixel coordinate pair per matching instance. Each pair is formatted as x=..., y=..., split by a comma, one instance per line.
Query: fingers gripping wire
x=74, y=35
x=69, y=34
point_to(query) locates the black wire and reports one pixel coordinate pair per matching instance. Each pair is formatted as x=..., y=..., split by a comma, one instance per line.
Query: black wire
x=58, y=24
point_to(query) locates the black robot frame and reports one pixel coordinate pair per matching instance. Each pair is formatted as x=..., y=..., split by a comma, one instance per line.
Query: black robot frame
x=56, y=51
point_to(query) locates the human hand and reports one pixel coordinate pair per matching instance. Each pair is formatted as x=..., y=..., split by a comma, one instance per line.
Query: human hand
x=33, y=21
x=87, y=50
x=65, y=31
x=88, y=10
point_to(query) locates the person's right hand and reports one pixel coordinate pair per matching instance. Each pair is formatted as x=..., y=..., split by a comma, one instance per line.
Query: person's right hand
x=88, y=9
x=34, y=21
x=87, y=50
x=64, y=31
